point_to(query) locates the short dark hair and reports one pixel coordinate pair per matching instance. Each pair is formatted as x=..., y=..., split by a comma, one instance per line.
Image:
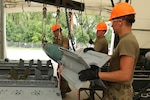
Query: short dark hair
x=129, y=18
x=58, y=29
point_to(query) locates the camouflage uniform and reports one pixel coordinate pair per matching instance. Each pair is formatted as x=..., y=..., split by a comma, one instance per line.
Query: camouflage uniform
x=64, y=86
x=100, y=45
x=127, y=45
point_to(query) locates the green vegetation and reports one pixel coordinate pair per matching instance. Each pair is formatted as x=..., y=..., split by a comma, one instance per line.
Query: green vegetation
x=28, y=26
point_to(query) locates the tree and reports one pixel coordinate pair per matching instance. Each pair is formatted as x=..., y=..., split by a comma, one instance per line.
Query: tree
x=28, y=26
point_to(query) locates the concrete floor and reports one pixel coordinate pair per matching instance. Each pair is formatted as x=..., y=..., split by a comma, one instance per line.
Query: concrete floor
x=73, y=95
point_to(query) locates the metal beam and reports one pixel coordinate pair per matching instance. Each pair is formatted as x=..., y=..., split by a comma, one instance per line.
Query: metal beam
x=62, y=3
x=2, y=31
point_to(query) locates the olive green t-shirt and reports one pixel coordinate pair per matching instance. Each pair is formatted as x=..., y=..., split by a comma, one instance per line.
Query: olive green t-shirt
x=61, y=41
x=101, y=45
x=128, y=46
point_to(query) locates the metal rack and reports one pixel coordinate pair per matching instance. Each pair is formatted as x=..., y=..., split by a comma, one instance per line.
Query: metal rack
x=28, y=79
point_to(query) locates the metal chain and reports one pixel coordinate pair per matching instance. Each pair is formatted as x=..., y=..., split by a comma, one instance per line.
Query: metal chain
x=57, y=15
x=70, y=21
x=44, y=22
x=81, y=23
x=69, y=28
x=44, y=12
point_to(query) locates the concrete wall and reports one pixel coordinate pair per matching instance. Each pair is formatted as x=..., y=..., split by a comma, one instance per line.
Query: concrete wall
x=143, y=38
x=142, y=8
x=142, y=24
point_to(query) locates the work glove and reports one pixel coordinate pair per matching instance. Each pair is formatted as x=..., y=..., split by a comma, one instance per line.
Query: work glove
x=87, y=49
x=91, y=41
x=89, y=74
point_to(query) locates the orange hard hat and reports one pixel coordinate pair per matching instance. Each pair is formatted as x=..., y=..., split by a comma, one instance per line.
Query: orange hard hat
x=101, y=26
x=121, y=9
x=55, y=27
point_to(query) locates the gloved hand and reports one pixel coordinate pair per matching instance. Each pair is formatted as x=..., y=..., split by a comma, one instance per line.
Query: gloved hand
x=91, y=41
x=87, y=49
x=89, y=74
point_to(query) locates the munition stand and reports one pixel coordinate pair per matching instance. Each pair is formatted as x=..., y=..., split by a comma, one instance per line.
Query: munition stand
x=28, y=80
x=94, y=88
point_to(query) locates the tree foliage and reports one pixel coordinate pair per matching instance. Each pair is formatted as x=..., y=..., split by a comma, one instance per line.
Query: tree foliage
x=30, y=26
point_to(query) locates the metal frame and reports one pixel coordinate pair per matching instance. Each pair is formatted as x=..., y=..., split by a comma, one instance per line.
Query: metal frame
x=63, y=3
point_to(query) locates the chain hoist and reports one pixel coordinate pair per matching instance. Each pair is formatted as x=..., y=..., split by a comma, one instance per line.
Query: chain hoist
x=57, y=15
x=69, y=28
x=70, y=21
x=28, y=3
x=44, y=22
